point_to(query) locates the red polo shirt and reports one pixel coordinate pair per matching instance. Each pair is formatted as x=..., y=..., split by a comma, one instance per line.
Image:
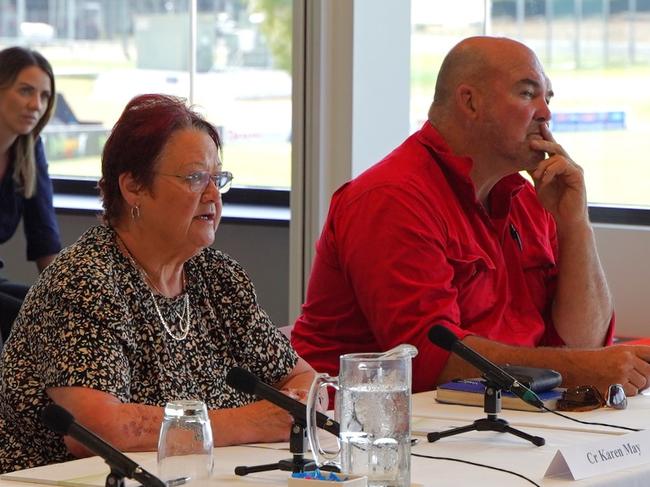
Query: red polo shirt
x=407, y=245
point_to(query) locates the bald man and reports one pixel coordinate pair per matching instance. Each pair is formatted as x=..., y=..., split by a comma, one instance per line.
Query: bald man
x=444, y=230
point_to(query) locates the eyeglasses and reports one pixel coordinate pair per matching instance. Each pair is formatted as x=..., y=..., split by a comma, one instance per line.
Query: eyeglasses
x=199, y=180
x=587, y=398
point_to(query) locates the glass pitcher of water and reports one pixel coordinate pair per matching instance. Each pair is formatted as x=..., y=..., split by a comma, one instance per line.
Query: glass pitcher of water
x=373, y=407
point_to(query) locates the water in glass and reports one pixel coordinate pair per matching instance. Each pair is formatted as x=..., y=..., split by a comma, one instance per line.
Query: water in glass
x=375, y=434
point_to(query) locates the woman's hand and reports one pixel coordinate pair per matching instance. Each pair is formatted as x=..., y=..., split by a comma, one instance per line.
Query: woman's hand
x=257, y=422
x=262, y=421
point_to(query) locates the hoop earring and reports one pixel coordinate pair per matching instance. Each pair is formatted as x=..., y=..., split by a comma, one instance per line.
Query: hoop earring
x=135, y=212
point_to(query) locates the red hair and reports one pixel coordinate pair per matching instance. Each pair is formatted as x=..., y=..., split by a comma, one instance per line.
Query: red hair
x=136, y=141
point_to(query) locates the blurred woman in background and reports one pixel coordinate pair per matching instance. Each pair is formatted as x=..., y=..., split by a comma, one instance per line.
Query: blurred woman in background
x=26, y=104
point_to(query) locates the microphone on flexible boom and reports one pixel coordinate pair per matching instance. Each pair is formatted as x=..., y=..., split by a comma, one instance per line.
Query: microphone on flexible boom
x=441, y=336
x=61, y=421
x=245, y=381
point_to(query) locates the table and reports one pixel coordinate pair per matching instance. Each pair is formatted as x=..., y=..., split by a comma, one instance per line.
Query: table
x=509, y=452
x=637, y=415
x=497, y=449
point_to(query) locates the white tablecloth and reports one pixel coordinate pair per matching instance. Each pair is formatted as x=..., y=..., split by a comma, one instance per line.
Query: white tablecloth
x=496, y=449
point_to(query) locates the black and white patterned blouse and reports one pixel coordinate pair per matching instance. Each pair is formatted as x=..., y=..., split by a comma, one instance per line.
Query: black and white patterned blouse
x=90, y=321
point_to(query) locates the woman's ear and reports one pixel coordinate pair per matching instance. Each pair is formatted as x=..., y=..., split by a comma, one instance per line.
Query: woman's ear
x=131, y=190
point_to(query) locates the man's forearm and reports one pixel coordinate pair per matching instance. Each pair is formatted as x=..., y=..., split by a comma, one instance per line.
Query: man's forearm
x=582, y=308
x=600, y=367
x=543, y=357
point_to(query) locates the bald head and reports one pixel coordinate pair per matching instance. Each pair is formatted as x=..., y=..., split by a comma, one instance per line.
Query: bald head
x=491, y=97
x=475, y=61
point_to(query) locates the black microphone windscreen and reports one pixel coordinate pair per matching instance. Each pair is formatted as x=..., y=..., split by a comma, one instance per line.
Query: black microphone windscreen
x=442, y=337
x=242, y=380
x=57, y=419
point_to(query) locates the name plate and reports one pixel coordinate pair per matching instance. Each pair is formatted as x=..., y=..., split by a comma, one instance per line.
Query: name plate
x=606, y=456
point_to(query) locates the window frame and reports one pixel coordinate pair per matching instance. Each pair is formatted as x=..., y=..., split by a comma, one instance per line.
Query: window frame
x=619, y=215
x=262, y=198
x=264, y=206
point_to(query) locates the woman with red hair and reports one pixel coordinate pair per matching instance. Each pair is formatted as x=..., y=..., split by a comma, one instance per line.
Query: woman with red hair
x=141, y=310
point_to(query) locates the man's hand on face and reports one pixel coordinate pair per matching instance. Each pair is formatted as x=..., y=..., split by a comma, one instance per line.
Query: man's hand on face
x=559, y=181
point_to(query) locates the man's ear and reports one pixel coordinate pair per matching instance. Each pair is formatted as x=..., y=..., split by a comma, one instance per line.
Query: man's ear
x=131, y=190
x=467, y=100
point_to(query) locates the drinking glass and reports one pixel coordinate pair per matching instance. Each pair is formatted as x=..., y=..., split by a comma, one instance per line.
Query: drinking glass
x=185, y=442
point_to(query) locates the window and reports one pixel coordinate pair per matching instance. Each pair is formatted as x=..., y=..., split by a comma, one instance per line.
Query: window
x=596, y=53
x=104, y=52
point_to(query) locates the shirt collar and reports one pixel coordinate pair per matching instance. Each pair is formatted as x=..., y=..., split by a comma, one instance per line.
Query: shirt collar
x=458, y=169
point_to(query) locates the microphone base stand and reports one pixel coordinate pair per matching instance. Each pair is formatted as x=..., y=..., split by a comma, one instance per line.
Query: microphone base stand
x=297, y=464
x=492, y=406
x=115, y=478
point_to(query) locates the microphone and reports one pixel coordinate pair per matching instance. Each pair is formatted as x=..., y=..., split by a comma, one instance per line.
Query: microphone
x=245, y=381
x=61, y=421
x=441, y=336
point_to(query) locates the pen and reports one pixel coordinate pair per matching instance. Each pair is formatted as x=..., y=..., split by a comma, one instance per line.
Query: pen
x=178, y=481
x=173, y=482
x=515, y=236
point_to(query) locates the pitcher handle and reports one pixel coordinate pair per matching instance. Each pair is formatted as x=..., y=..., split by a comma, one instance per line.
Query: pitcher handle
x=320, y=456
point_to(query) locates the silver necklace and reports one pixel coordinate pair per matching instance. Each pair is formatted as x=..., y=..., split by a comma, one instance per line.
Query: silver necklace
x=183, y=327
